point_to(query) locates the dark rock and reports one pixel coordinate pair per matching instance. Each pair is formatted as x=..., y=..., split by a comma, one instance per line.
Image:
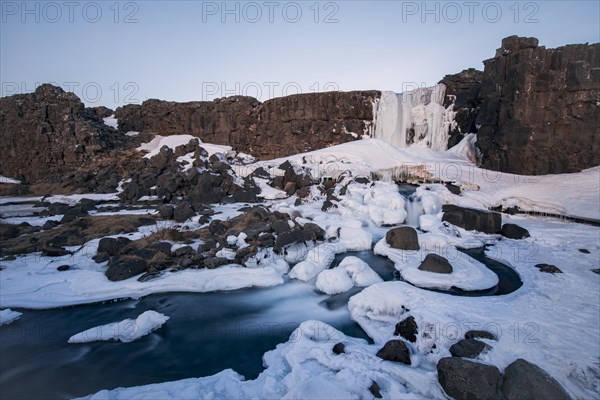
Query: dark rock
x=403, y=238
x=246, y=196
x=166, y=211
x=319, y=232
x=183, y=212
x=8, y=231
x=112, y=246
x=465, y=380
x=291, y=237
x=214, y=262
x=182, y=251
x=88, y=204
x=290, y=188
x=50, y=224
x=472, y=219
x=63, y=268
x=362, y=180
x=435, y=263
x=328, y=205
x=408, y=329
x=395, y=350
x=125, y=267
x=49, y=133
x=375, y=390
x=514, y=231
x=281, y=226
x=548, y=268
x=596, y=271
x=536, y=100
x=278, y=127
x=101, y=257
x=339, y=348
x=454, y=189
x=54, y=251
x=163, y=247
x=260, y=172
x=469, y=348
x=73, y=213
x=584, y=251
x=462, y=91
x=524, y=380
x=217, y=227
x=473, y=334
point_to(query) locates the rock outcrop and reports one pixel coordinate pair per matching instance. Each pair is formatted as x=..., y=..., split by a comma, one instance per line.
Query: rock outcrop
x=49, y=132
x=462, y=90
x=540, y=109
x=276, y=128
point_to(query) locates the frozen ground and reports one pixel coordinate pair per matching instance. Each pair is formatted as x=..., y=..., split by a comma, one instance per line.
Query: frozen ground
x=552, y=320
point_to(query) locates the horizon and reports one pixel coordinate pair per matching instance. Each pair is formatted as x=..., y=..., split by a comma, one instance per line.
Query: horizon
x=119, y=53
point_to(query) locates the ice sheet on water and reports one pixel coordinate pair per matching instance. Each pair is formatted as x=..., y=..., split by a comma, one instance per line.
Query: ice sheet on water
x=7, y=316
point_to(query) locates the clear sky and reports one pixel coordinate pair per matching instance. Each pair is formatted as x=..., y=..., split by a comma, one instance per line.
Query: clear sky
x=113, y=53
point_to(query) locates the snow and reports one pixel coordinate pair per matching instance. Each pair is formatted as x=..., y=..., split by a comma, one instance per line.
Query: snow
x=4, y=179
x=552, y=320
x=32, y=281
x=318, y=259
x=351, y=271
x=8, y=316
x=355, y=239
x=467, y=273
x=575, y=194
x=125, y=331
x=153, y=147
x=111, y=121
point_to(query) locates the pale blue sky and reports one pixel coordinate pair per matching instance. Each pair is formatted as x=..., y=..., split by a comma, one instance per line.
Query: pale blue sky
x=194, y=50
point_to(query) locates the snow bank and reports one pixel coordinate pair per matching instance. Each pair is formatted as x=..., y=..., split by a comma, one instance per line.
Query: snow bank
x=4, y=179
x=352, y=271
x=7, y=316
x=318, y=259
x=153, y=147
x=125, y=331
x=467, y=273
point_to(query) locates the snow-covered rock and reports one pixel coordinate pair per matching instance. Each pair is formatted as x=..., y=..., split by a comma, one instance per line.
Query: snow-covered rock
x=125, y=331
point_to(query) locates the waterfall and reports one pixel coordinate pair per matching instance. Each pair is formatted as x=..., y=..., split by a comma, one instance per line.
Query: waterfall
x=414, y=209
x=416, y=118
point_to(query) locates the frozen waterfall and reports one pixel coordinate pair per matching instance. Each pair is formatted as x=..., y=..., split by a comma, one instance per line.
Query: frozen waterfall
x=415, y=118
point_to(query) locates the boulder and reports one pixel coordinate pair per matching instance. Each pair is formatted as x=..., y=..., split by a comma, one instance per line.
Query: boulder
x=435, y=263
x=375, y=390
x=166, y=211
x=466, y=380
x=183, y=212
x=408, y=329
x=125, y=267
x=339, y=348
x=395, y=350
x=472, y=219
x=291, y=237
x=112, y=246
x=474, y=334
x=514, y=231
x=526, y=381
x=403, y=238
x=468, y=348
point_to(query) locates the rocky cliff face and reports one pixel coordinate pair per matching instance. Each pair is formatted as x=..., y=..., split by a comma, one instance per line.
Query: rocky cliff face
x=540, y=108
x=275, y=128
x=462, y=90
x=49, y=132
